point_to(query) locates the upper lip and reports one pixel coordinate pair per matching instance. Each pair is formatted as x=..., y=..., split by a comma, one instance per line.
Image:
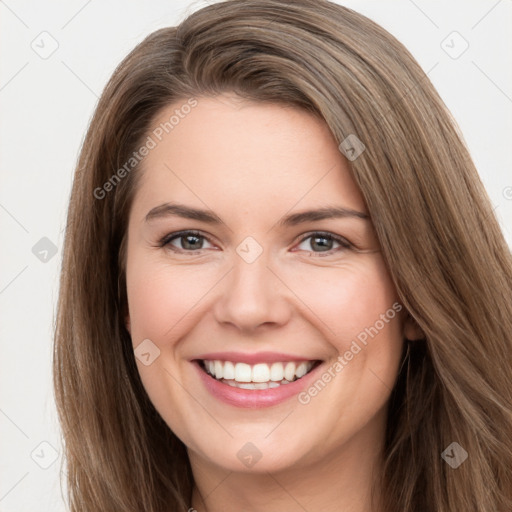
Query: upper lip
x=257, y=357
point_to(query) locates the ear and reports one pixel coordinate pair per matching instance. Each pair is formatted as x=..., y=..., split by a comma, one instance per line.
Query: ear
x=412, y=331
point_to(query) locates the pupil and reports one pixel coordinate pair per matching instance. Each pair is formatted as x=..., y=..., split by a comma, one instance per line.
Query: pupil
x=187, y=238
x=323, y=247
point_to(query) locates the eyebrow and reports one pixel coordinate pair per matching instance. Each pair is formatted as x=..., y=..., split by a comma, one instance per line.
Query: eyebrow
x=208, y=216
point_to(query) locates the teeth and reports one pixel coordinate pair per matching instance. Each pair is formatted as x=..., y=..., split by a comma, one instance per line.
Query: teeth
x=218, y=368
x=276, y=372
x=289, y=371
x=301, y=370
x=252, y=385
x=228, y=372
x=243, y=372
x=258, y=376
x=260, y=373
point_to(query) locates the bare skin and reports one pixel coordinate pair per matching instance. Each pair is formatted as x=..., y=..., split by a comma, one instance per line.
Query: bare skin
x=252, y=164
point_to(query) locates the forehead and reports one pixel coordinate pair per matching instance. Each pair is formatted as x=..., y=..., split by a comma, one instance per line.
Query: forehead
x=232, y=154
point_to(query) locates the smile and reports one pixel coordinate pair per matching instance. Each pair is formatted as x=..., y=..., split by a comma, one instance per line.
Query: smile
x=255, y=384
x=257, y=376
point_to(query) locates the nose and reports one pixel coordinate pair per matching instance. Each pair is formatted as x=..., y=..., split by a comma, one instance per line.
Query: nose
x=252, y=297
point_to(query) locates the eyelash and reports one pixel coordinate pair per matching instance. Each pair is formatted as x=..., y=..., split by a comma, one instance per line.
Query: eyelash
x=345, y=244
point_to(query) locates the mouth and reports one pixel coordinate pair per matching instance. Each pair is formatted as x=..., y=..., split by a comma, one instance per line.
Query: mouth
x=259, y=376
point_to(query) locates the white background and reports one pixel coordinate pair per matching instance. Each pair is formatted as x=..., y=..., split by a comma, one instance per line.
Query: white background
x=46, y=105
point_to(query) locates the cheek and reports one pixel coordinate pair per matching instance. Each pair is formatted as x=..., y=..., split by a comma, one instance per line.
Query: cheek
x=360, y=317
x=356, y=308
x=153, y=301
x=347, y=299
x=162, y=298
x=164, y=304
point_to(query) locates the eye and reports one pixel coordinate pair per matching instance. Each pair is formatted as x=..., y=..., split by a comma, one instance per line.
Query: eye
x=188, y=240
x=324, y=243
x=319, y=242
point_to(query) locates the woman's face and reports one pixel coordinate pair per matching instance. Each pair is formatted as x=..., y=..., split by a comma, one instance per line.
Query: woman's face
x=259, y=282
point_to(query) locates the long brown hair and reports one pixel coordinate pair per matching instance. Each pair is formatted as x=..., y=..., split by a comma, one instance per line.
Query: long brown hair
x=440, y=239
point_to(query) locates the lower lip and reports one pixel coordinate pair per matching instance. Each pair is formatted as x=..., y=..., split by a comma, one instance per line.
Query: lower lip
x=254, y=398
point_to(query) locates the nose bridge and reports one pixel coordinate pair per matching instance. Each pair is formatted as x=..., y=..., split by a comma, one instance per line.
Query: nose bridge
x=251, y=275
x=251, y=295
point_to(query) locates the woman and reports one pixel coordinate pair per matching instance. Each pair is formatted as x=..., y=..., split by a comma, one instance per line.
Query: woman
x=283, y=286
